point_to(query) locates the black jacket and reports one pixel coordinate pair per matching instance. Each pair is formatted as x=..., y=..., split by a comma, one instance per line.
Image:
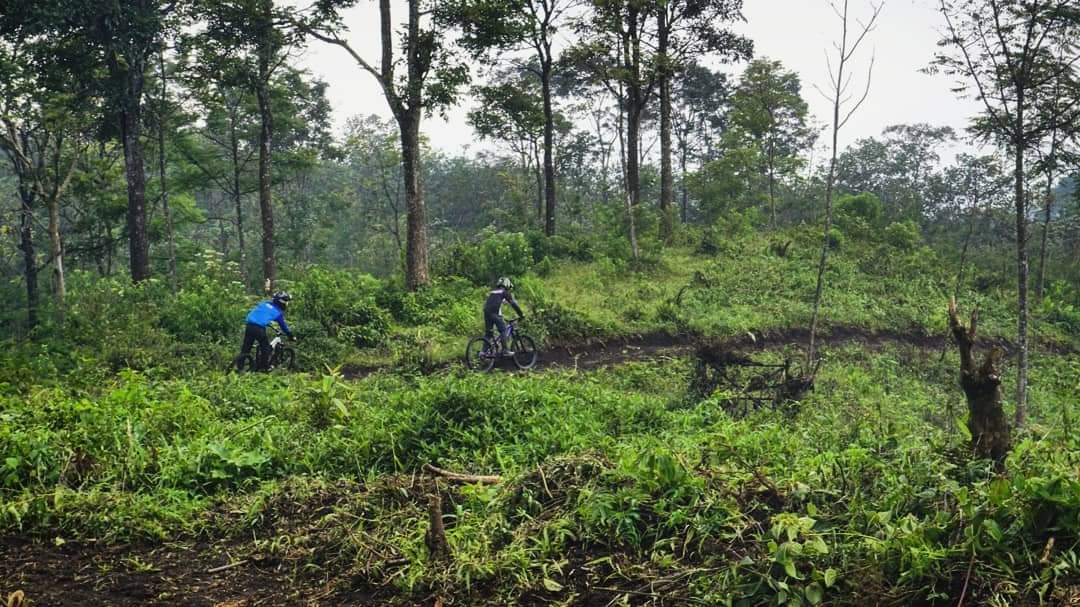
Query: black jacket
x=495, y=300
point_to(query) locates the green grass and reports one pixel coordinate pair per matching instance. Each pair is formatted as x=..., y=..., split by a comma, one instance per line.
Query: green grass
x=869, y=477
x=613, y=478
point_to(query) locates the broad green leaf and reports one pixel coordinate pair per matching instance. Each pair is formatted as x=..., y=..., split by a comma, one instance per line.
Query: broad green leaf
x=552, y=586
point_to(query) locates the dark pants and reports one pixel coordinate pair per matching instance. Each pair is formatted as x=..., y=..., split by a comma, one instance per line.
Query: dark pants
x=256, y=333
x=497, y=321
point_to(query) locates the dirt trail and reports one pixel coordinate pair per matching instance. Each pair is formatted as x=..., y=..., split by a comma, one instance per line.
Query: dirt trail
x=643, y=347
x=597, y=352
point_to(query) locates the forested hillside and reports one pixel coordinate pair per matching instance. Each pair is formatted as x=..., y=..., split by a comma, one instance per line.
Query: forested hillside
x=771, y=368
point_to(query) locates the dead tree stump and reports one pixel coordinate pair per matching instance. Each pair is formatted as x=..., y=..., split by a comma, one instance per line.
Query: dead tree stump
x=437, y=545
x=990, y=437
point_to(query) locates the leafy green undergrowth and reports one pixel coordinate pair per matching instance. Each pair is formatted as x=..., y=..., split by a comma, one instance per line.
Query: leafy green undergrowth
x=729, y=283
x=613, y=478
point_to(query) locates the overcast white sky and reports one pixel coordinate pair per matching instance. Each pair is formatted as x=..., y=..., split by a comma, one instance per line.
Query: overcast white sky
x=796, y=32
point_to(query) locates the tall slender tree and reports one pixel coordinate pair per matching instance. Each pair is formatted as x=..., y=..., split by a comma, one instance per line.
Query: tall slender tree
x=701, y=102
x=102, y=49
x=769, y=113
x=520, y=26
x=432, y=80
x=840, y=96
x=41, y=134
x=687, y=30
x=244, y=44
x=1003, y=53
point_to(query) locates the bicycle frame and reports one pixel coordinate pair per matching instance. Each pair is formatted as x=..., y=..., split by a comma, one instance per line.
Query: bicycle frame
x=507, y=335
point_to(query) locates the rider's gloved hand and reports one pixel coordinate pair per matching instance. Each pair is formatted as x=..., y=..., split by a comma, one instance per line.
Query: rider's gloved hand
x=292, y=337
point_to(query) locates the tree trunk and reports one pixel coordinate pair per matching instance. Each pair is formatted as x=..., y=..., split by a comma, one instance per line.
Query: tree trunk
x=1021, y=268
x=967, y=241
x=57, y=252
x=30, y=267
x=438, y=547
x=772, y=187
x=549, y=145
x=266, y=209
x=624, y=159
x=130, y=130
x=1040, y=282
x=416, y=262
x=682, y=185
x=632, y=61
x=234, y=144
x=982, y=386
x=538, y=176
x=666, y=180
x=408, y=115
x=161, y=172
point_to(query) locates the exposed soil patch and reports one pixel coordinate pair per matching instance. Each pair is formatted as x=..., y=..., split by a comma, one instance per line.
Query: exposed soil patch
x=165, y=574
x=605, y=353
x=599, y=352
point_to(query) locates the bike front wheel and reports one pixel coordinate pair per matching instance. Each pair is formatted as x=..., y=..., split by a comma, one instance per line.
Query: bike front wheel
x=524, y=352
x=478, y=355
x=285, y=358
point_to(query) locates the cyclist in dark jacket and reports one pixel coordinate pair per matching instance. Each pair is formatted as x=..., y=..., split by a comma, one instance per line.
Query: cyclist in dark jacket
x=260, y=316
x=493, y=311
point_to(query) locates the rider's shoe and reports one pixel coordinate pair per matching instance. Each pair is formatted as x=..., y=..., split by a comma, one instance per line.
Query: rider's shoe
x=507, y=353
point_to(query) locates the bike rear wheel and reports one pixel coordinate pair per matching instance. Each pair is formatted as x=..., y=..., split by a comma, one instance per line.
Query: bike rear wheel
x=524, y=351
x=478, y=355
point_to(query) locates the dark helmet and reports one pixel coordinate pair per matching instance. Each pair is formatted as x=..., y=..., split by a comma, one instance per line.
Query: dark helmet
x=504, y=283
x=282, y=299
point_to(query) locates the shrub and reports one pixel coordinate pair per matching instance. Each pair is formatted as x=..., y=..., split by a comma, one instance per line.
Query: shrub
x=366, y=325
x=836, y=239
x=903, y=235
x=496, y=254
x=560, y=247
x=204, y=308
x=859, y=216
x=720, y=237
x=1058, y=306
x=545, y=267
x=865, y=206
x=329, y=297
x=555, y=321
x=427, y=305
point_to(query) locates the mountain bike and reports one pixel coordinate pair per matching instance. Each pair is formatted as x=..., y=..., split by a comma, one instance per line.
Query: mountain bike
x=282, y=356
x=483, y=351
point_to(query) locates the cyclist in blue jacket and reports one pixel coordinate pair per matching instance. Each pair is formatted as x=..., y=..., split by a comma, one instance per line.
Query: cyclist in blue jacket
x=257, y=320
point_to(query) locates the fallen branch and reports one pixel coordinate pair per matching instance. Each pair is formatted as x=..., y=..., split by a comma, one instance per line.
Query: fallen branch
x=967, y=579
x=229, y=566
x=653, y=595
x=463, y=478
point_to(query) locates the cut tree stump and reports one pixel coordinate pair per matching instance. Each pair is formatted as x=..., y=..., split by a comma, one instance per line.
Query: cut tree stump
x=437, y=545
x=990, y=434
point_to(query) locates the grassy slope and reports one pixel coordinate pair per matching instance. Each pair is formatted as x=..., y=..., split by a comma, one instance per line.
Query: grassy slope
x=743, y=287
x=867, y=483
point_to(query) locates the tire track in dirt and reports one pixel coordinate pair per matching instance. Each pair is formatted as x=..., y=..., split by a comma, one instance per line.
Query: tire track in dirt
x=643, y=347
x=598, y=352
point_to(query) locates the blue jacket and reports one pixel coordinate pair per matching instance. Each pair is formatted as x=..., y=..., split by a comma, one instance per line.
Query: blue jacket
x=265, y=313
